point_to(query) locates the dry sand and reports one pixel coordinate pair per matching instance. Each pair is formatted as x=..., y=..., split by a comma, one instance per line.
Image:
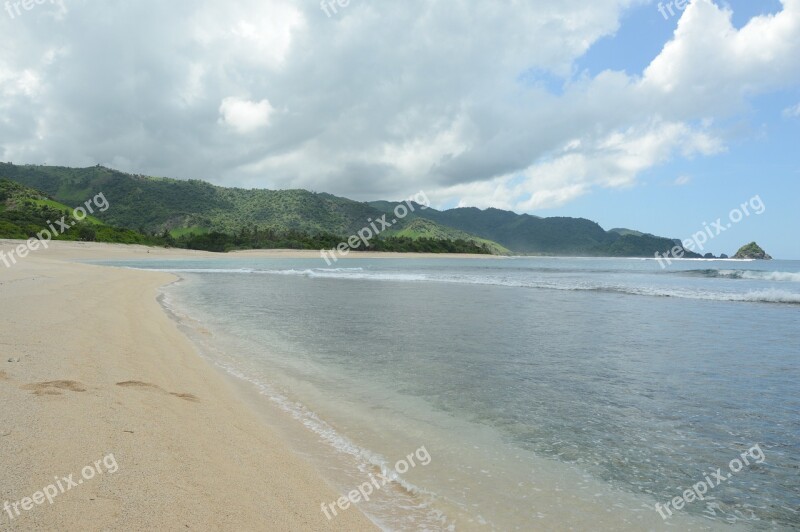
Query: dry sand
x=97, y=368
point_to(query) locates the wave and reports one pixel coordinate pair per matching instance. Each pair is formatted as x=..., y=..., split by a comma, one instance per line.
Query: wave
x=311, y=271
x=685, y=259
x=753, y=296
x=200, y=270
x=323, y=273
x=330, y=273
x=760, y=296
x=754, y=275
x=778, y=296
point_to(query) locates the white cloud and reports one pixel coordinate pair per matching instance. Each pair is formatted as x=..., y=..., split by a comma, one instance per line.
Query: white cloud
x=682, y=180
x=245, y=116
x=792, y=112
x=612, y=161
x=711, y=65
x=256, y=33
x=383, y=99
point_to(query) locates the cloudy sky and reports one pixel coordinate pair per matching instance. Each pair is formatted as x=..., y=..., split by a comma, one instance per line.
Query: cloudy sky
x=632, y=113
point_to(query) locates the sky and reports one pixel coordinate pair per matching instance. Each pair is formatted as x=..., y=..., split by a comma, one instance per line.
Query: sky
x=663, y=117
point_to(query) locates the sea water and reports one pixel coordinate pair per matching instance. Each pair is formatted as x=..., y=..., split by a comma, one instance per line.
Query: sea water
x=549, y=393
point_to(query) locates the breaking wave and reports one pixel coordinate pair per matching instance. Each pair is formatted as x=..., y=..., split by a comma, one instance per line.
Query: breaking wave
x=755, y=275
x=773, y=295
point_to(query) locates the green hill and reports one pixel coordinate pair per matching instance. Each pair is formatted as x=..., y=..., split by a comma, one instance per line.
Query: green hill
x=423, y=228
x=526, y=234
x=24, y=212
x=155, y=204
x=194, y=213
x=198, y=215
x=631, y=245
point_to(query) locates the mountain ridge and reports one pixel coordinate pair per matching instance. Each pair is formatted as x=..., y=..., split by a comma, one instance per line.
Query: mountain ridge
x=178, y=207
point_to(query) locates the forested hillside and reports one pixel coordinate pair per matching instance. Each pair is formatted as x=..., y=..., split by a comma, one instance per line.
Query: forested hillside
x=194, y=213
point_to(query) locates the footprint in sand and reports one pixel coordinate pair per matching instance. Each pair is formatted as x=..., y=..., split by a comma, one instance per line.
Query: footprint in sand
x=4, y=376
x=186, y=397
x=54, y=387
x=139, y=384
x=146, y=385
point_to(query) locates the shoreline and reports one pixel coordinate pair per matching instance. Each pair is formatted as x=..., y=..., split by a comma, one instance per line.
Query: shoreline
x=197, y=447
x=103, y=370
x=109, y=251
x=343, y=428
x=343, y=462
x=65, y=249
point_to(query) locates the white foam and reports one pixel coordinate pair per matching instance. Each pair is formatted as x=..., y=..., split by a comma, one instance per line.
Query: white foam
x=764, y=296
x=366, y=460
x=200, y=270
x=790, y=277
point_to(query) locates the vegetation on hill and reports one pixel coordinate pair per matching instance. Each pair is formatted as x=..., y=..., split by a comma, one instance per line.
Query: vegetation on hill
x=635, y=246
x=199, y=215
x=526, y=234
x=290, y=239
x=421, y=228
x=622, y=231
x=24, y=212
x=154, y=204
x=752, y=251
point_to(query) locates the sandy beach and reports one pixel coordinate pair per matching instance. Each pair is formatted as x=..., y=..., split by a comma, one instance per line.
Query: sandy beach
x=111, y=412
x=94, y=374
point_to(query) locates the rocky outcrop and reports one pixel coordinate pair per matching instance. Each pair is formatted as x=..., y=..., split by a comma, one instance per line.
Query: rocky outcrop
x=752, y=251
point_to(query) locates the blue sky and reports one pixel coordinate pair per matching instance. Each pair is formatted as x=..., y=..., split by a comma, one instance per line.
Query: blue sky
x=603, y=109
x=761, y=159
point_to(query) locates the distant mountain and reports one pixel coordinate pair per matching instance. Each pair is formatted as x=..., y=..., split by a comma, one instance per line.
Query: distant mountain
x=181, y=208
x=526, y=234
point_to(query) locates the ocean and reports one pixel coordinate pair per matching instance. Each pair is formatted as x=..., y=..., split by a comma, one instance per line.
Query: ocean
x=548, y=393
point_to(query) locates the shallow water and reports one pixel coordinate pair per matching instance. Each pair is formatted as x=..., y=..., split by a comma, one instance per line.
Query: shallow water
x=550, y=393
